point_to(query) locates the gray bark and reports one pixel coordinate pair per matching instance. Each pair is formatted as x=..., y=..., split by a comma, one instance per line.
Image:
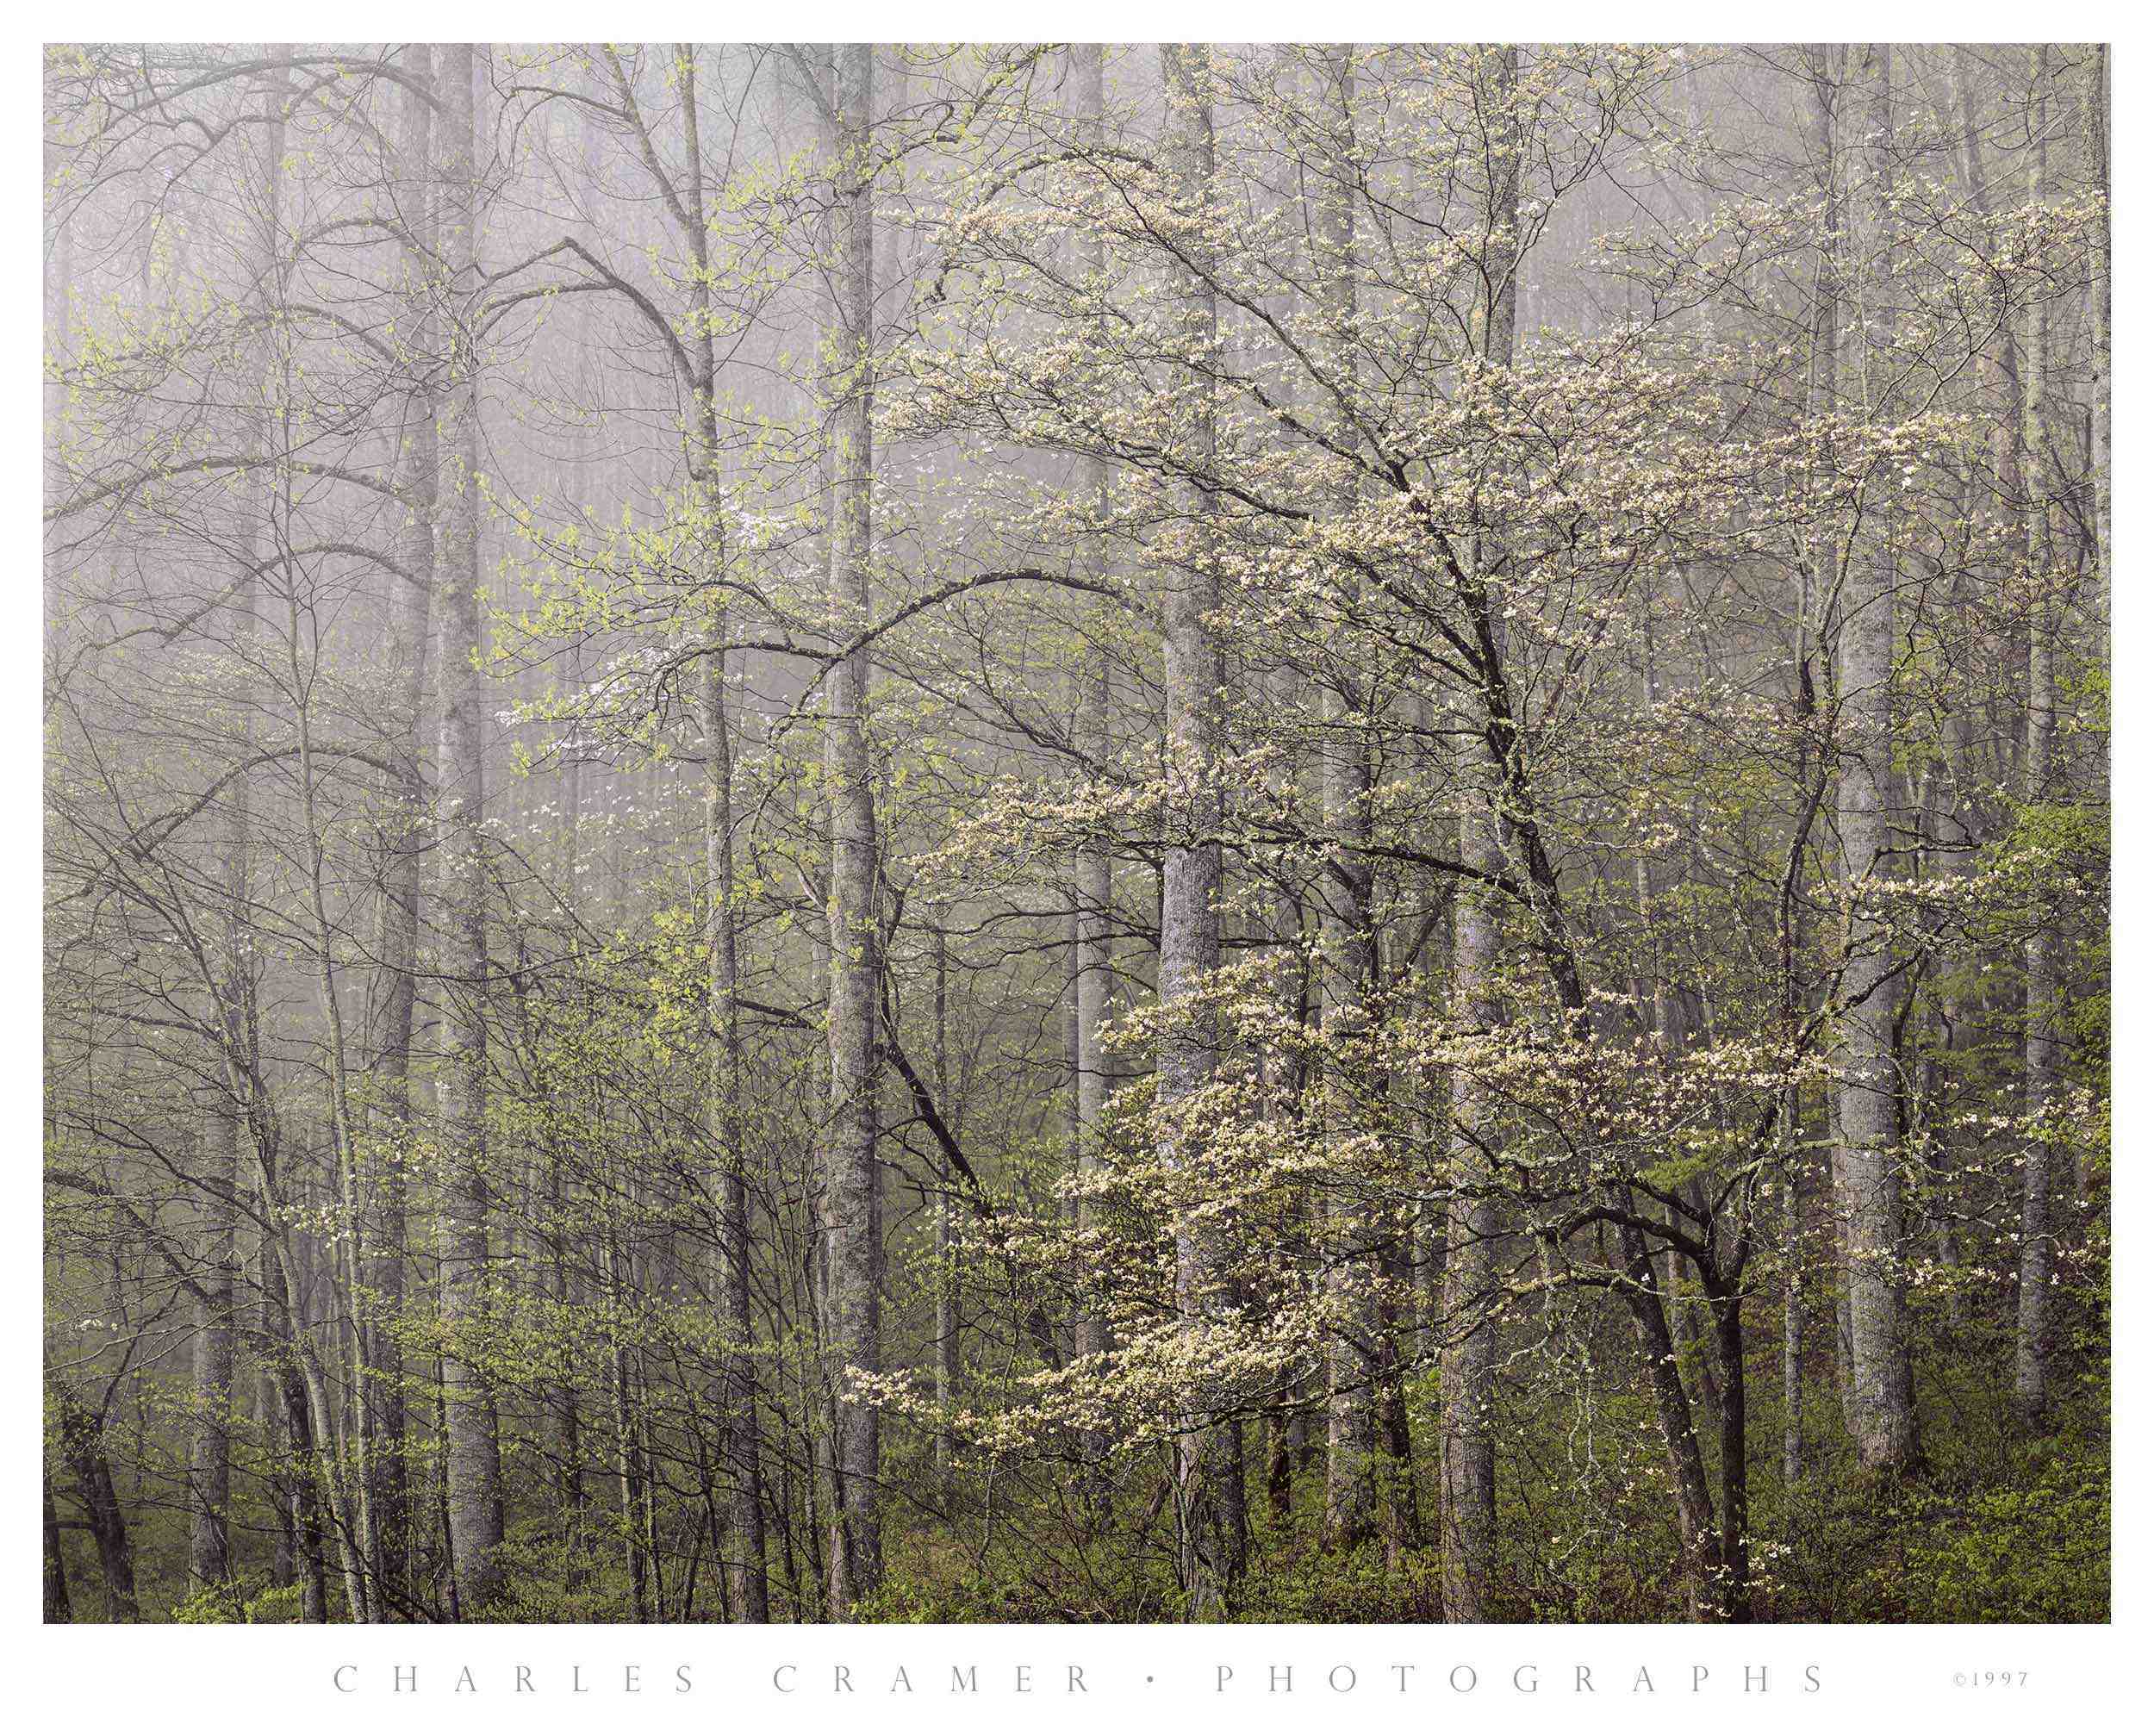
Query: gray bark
x=82, y=1445
x=2031, y=1348
x=397, y=1001
x=1350, y=1479
x=851, y=1221
x=1469, y=1363
x=749, y=1583
x=1880, y=1406
x=1207, y=1468
x=57, y=1605
x=473, y=1448
x=2097, y=111
x=1095, y=866
x=949, y=1353
x=210, y=1465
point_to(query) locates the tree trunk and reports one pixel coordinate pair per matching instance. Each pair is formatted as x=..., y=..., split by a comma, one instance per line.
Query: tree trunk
x=1095, y=866
x=1469, y=1363
x=1733, y=1582
x=1354, y=1279
x=1880, y=1397
x=1679, y=1434
x=2031, y=1357
x=209, y=1466
x=82, y=1447
x=473, y=1448
x=851, y=1217
x=1210, y=1520
x=2097, y=104
x=412, y=649
x=57, y=1607
x=1468, y=1447
x=749, y=1586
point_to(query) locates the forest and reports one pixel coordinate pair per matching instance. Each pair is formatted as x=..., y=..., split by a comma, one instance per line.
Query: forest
x=1075, y=833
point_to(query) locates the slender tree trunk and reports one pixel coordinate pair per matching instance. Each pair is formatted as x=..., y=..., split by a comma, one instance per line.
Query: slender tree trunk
x=1354, y=1279
x=854, y=1305
x=1795, y=1005
x=1207, y=1461
x=473, y=1448
x=1679, y=1434
x=1399, y=1485
x=209, y=1470
x=1882, y=1408
x=749, y=1586
x=1826, y=66
x=749, y=1583
x=2030, y=1358
x=57, y=1606
x=2097, y=106
x=210, y=1560
x=1469, y=1360
x=1733, y=1582
x=1207, y=1468
x=1469, y=1363
x=82, y=1447
x=949, y=1358
x=627, y=1458
x=1792, y=1461
x=268, y=1401
x=411, y=646
x=1095, y=865
x=2097, y=124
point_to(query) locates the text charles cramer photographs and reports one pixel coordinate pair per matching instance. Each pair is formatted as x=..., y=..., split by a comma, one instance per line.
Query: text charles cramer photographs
x=1459, y=1678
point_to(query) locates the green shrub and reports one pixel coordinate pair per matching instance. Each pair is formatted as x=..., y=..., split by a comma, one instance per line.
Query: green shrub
x=212, y=1604
x=2039, y=1554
